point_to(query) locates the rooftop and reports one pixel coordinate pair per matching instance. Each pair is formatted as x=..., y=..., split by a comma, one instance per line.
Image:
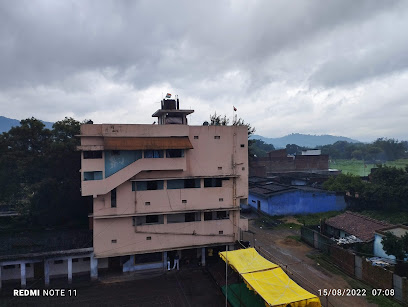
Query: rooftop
x=269, y=188
x=34, y=242
x=356, y=224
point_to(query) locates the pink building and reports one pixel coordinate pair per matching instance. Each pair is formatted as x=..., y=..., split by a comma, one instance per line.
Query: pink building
x=164, y=189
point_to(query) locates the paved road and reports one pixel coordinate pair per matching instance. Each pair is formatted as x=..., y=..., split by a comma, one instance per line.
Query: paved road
x=188, y=288
x=291, y=255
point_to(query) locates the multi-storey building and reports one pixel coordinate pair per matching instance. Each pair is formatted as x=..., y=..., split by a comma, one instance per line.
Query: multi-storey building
x=164, y=188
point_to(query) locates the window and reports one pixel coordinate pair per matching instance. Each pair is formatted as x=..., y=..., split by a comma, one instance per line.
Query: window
x=92, y=176
x=212, y=182
x=153, y=154
x=93, y=154
x=113, y=198
x=114, y=241
x=75, y=260
x=149, y=220
x=152, y=219
x=183, y=217
x=219, y=167
x=217, y=137
x=174, y=153
x=242, y=145
x=191, y=183
x=221, y=232
x=192, y=217
x=58, y=261
x=196, y=137
x=86, y=259
x=220, y=199
x=222, y=215
x=184, y=201
x=151, y=185
x=147, y=203
x=175, y=218
x=148, y=238
x=147, y=185
x=208, y=216
x=115, y=153
x=183, y=184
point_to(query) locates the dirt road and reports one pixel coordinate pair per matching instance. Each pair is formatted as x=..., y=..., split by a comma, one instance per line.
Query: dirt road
x=291, y=255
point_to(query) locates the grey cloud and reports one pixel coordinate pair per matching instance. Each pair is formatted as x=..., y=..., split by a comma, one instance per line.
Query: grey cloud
x=87, y=57
x=44, y=42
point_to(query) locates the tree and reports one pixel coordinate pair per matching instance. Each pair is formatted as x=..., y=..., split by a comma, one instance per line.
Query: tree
x=293, y=149
x=260, y=148
x=218, y=120
x=345, y=183
x=39, y=173
x=396, y=246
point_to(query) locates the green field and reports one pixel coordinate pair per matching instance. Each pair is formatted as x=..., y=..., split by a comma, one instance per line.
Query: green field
x=356, y=167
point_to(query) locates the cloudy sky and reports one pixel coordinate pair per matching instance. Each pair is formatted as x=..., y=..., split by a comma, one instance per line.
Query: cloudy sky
x=317, y=67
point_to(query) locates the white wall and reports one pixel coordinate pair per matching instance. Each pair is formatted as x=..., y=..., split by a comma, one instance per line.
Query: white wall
x=15, y=273
x=55, y=269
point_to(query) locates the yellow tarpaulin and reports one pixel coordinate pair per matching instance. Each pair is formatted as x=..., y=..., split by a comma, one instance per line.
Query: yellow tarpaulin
x=268, y=280
x=277, y=289
x=247, y=260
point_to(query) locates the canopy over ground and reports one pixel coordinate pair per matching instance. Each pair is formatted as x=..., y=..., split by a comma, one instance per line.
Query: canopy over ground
x=247, y=261
x=268, y=280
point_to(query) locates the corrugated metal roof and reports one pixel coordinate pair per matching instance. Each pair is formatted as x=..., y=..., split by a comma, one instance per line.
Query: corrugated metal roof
x=145, y=143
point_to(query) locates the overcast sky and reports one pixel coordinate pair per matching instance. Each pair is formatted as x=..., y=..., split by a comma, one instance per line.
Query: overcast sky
x=318, y=67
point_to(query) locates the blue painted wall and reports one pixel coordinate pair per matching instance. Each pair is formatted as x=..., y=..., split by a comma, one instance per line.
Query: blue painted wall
x=119, y=160
x=298, y=202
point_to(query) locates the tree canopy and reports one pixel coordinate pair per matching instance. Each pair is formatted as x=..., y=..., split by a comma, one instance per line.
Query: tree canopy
x=395, y=246
x=386, y=190
x=378, y=151
x=39, y=173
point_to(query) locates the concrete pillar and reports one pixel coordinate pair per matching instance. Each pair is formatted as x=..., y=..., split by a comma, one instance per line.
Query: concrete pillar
x=94, y=267
x=164, y=261
x=70, y=270
x=47, y=272
x=203, y=256
x=23, y=274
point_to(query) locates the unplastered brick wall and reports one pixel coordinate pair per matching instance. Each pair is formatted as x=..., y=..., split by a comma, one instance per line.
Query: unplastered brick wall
x=343, y=258
x=377, y=276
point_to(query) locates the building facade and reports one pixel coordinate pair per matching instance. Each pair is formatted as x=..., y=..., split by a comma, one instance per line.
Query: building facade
x=163, y=189
x=278, y=161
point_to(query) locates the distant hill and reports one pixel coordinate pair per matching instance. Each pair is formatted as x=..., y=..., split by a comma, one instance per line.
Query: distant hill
x=7, y=123
x=306, y=140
